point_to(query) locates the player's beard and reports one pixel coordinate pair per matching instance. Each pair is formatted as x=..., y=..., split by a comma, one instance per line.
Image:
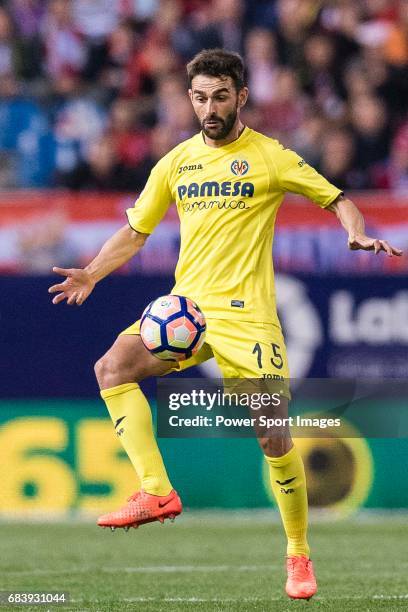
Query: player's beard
x=223, y=127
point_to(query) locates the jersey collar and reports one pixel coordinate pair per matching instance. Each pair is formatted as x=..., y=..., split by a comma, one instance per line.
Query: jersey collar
x=231, y=145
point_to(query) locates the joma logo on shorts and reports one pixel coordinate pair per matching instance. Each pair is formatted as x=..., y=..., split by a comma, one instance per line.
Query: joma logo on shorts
x=191, y=167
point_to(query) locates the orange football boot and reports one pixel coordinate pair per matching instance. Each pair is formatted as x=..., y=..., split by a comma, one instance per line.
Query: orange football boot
x=301, y=582
x=143, y=508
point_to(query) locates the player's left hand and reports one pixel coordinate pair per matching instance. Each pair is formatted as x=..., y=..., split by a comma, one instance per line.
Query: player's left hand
x=362, y=242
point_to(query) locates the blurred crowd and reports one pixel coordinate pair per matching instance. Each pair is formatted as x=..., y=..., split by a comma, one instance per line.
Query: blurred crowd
x=93, y=92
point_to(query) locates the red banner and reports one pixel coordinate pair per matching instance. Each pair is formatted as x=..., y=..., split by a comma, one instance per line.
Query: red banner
x=43, y=228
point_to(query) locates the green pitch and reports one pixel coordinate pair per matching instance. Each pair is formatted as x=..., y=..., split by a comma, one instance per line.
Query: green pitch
x=205, y=562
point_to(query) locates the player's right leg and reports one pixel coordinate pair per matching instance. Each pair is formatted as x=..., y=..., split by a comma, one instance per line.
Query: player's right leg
x=128, y=360
x=118, y=373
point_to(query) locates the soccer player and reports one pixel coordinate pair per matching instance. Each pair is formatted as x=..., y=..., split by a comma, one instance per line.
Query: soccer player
x=228, y=182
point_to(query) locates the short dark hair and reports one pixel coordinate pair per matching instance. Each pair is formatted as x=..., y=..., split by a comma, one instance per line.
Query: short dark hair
x=218, y=62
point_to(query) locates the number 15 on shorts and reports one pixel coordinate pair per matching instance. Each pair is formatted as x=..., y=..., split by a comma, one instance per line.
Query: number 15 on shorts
x=275, y=358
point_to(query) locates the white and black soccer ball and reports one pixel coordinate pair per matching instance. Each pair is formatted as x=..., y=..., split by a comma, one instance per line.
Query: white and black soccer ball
x=173, y=327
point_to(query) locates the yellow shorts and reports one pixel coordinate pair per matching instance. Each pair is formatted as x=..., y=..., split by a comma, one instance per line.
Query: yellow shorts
x=241, y=349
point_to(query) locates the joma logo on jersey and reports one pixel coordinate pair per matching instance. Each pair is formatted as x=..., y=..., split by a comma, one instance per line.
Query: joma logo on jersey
x=213, y=188
x=239, y=167
x=191, y=167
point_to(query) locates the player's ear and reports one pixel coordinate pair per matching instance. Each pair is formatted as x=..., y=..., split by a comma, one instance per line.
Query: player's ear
x=190, y=94
x=242, y=96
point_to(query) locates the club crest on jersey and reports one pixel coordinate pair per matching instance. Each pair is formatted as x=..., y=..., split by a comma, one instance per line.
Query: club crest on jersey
x=239, y=167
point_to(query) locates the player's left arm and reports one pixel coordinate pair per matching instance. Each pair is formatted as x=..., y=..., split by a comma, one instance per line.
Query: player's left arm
x=353, y=222
x=297, y=176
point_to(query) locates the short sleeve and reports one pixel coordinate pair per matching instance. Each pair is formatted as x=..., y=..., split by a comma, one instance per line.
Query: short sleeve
x=296, y=176
x=153, y=202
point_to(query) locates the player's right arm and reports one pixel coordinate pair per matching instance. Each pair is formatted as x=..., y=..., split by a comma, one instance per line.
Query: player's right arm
x=147, y=212
x=79, y=283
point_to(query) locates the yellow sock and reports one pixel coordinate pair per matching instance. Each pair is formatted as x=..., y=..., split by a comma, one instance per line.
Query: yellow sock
x=288, y=482
x=132, y=417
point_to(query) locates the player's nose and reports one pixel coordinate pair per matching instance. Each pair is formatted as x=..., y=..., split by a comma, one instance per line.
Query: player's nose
x=209, y=109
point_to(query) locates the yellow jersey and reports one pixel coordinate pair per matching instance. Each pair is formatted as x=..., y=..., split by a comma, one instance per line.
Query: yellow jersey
x=227, y=199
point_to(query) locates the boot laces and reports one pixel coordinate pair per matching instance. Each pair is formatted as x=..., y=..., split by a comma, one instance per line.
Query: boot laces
x=298, y=566
x=134, y=497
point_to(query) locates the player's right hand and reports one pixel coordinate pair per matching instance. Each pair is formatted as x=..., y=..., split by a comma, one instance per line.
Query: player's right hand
x=77, y=286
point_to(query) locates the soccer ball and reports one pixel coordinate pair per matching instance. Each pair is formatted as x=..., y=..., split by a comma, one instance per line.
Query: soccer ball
x=173, y=327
